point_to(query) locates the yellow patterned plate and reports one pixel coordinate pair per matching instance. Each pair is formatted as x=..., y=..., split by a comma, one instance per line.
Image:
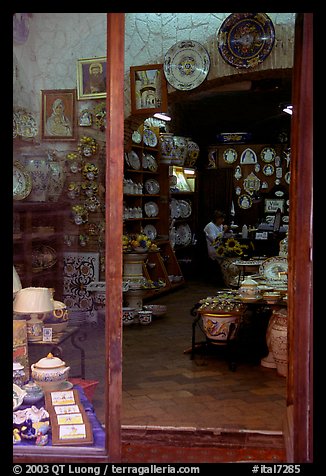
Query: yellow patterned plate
x=21, y=182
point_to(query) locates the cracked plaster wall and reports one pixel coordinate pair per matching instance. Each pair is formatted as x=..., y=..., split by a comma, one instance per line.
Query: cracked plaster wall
x=47, y=60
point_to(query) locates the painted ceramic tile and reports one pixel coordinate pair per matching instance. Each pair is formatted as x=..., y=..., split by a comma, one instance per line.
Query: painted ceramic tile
x=80, y=269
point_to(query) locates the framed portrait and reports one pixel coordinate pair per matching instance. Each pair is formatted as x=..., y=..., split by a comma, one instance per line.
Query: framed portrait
x=148, y=89
x=58, y=114
x=91, y=78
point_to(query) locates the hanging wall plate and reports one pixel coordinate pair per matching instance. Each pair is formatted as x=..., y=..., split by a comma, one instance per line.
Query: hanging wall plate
x=246, y=39
x=186, y=65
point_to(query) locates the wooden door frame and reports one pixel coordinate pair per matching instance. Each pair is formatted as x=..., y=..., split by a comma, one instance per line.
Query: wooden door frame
x=299, y=430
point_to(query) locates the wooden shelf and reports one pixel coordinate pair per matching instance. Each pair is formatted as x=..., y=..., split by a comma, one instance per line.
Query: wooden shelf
x=42, y=215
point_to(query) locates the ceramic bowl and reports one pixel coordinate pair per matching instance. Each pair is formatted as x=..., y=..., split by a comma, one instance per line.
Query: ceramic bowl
x=50, y=372
x=58, y=314
x=157, y=309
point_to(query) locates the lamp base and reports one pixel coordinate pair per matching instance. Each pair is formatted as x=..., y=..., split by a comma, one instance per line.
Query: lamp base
x=34, y=330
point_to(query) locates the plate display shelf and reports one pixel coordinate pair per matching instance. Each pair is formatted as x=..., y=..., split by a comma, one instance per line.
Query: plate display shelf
x=152, y=199
x=37, y=241
x=183, y=213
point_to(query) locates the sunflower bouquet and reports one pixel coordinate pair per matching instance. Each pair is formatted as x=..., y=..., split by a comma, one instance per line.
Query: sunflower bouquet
x=229, y=248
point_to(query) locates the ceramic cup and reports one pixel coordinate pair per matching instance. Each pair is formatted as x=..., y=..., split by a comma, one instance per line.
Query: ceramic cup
x=145, y=317
x=128, y=314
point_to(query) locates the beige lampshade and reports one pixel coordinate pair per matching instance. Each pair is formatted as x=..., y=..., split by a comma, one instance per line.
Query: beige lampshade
x=32, y=299
x=17, y=285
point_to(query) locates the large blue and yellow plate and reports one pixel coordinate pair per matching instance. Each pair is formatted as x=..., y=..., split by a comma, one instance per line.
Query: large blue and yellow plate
x=246, y=39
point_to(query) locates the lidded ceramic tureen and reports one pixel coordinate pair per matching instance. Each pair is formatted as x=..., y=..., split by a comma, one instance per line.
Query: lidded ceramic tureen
x=249, y=290
x=49, y=372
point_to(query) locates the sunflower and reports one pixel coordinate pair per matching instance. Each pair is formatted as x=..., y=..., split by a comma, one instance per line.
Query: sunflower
x=232, y=243
x=220, y=251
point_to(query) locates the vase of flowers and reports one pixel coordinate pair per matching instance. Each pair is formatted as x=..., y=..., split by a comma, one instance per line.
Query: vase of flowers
x=228, y=251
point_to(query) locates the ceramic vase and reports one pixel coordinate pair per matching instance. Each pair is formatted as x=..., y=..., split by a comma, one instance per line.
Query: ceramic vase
x=167, y=148
x=230, y=271
x=279, y=341
x=180, y=150
x=192, y=153
x=38, y=167
x=268, y=361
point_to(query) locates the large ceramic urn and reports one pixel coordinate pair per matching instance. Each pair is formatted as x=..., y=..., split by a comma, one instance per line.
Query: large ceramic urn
x=279, y=343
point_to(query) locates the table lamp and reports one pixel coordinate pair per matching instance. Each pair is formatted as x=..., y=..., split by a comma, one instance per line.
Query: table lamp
x=33, y=303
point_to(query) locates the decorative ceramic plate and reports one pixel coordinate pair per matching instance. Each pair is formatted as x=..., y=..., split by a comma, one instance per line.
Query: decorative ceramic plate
x=230, y=156
x=244, y=201
x=183, y=235
x=185, y=208
x=151, y=209
x=152, y=186
x=151, y=163
x=150, y=231
x=25, y=123
x=246, y=39
x=272, y=267
x=136, y=137
x=268, y=154
x=22, y=181
x=175, y=208
x=268, y=169
x=149, y=138
x=134, y=160
x=186, y=65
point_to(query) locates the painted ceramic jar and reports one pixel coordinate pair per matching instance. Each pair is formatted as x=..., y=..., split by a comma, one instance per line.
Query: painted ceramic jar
x=279, y=342
x=49, y=372
x=18, y=374
x=145, y=317
x=34, y=393
x=128, y=314
x=167, y=147
x=180, y=150
x=192, y=153
x=38, y=167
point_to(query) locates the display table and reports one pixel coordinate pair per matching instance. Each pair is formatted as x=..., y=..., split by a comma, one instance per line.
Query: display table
x=247, y=266
x=54, y=346
x=97, y=429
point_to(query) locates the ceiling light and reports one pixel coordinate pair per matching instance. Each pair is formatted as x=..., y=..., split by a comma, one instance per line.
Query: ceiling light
x=163, y=116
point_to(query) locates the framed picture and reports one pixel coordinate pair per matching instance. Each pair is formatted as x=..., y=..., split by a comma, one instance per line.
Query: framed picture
x=148, y=89
x=91, y=78
x=273, y=204
x=58, y=114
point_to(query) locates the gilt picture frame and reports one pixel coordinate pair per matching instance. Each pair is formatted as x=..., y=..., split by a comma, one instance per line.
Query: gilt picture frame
x=148, y=89
x=91, y=78
x=58, y=115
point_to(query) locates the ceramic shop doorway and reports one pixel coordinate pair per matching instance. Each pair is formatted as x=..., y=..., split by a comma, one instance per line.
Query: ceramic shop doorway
x=299, y=394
